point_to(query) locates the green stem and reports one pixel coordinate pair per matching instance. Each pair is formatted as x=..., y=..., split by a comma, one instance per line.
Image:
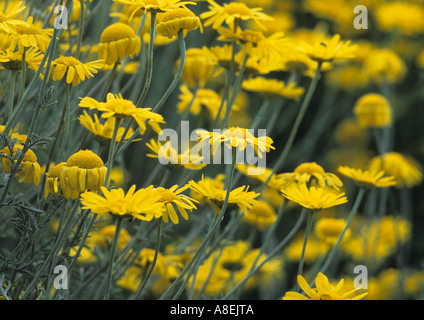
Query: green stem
x=110, y=157
x=119, y=223
x=24, y=74
x=352, y=214
x=178, y=74
x=149, y=73
x=305, y=241
x=152, y=266
x=295, y=128
x=276, y=250
x=12, y=92
x=190, y=267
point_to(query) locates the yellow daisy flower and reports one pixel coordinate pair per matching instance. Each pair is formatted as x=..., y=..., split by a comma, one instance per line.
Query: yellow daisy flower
x=28, y=35
x=313, y=198
x=117, y=41
x=74, y=70
x=367, y=179
x=329, y=230
x=215, y=196
x=406, y=170
x=12, y=60
x=8, y=20
x=262, y=215
x=323, y=290
x=154, y=5
x=273, y=88
x=118, y=107
x=330, y=49
x=167, y=154
x=141, y=204
x=103, y=132
x=172, y=21
x=238, y=138
x=199, y=67
x=84, y=170
x=232, y=12
x=168, y=198
x=29, y=169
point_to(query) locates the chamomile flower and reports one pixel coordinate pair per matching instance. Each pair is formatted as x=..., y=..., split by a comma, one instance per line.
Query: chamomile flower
x=120, y=108
x=141, y=204
x=168, y=198
x=215, y=196
x=232, y=12
x=117, y=41
x=103, y=132
x=237, y=138
x=84, y=170
x=323, y=290
x=367, y=178
x=313, y=198
x=172, y=21
x=29, y=170
x=73, y=70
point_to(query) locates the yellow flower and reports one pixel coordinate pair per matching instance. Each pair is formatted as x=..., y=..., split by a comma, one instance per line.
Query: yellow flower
x=255, y=43
x=21, y=138
x=232, y=12
x=273, y=88
x=172, y=21
x=313, y=198
x=117, y=41
x=329, y=230
x=103, y=132
x=141, y=204
x=407, y=18
x=385, y=65
x=174, y=160
x=28, y=35
x=29, y=170
x=53, y=181
x=84, y=170
x=12, y=60
x=215, y=195
x=328, y=50
x=315, y=248
x=156, y=6
x=367, y=179
x=406, y=170
x=217, y=182
x=74, y=70
x=199, y=67
x=323, y=290
x=238, y=138
x=8, y=22
x=118, y=107
x=312, y=174
x=373, y=110
x=103, y=237
x=262, y=215
x=168, y=198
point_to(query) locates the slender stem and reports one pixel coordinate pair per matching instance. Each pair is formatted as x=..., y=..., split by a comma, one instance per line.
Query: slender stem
x=149, y=73
x=153, y=264
x=178, y=74
x=352, y=214
x=66, y=121
x=23, y=75
x=12, y=92
x=190, y=267
x=261, y=113
x=295, y=128
x=305, y=241
x=276, y=250
x=119, y=223
x=112, y=150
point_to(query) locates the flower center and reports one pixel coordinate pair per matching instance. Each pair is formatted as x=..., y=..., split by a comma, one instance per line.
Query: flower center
x=237, y=9
x=117, y=31
x=85, y=159
x=309, y=168
x=166, y=195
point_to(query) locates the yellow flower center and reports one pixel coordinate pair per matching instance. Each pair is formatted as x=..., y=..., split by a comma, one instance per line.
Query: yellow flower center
x=177, y=14
x=85, y=159
x=117, y=31
x=166, y=195
x=237, y=9
x=309, y=168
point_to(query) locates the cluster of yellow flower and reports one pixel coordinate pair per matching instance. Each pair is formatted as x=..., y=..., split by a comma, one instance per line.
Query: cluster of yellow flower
x=100, y=87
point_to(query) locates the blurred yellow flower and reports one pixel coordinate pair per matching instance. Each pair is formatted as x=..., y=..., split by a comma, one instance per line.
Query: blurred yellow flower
x=368, y=179
x=273, y=88
x=373, y=110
